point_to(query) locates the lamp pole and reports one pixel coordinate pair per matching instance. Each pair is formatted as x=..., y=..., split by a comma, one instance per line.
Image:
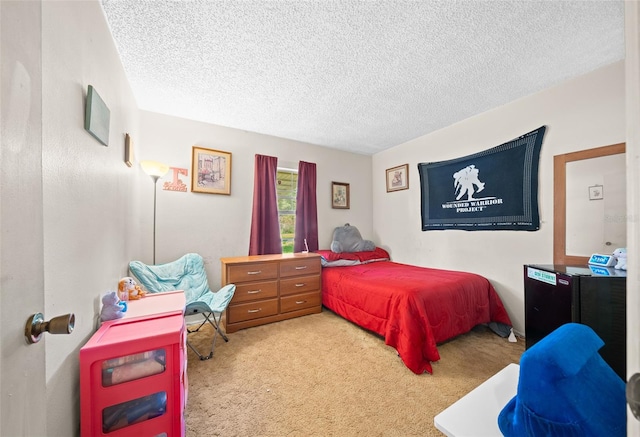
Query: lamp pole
x=155, y=195
x=156, y=170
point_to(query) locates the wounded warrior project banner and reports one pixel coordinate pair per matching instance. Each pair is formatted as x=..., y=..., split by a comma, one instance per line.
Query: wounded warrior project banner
x=496, y=189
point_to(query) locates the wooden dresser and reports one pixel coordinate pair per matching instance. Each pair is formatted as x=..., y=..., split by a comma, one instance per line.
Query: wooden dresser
x=270, y=288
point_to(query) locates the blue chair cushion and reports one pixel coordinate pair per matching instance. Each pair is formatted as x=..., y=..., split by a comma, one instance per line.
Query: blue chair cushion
x=186, y=273
x=216, y=302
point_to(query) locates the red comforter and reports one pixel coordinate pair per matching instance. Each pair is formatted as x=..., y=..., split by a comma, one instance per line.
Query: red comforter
x=413, y=308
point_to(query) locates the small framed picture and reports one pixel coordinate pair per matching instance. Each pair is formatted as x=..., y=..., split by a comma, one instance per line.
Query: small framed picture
x=210, y=171
x=398, y=178
x=339, y=195
x=128, y=150
x=96, y=116
x=596, y=192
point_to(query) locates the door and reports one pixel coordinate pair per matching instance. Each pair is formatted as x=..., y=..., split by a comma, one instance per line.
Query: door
x=22, y=367
x=632, y=94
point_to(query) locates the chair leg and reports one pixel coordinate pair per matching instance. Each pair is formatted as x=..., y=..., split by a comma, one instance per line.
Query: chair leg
x=211, y=318
x=202, y=357
x=215, y=323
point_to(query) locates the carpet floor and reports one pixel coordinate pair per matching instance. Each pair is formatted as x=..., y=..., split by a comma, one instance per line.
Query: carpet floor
x=321, y=375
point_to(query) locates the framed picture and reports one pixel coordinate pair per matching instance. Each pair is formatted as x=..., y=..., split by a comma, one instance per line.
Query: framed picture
x=398, y=178
x=210, y=171
x=128, y=150
x=97, y=116
x=596, y=192
x=339, y=195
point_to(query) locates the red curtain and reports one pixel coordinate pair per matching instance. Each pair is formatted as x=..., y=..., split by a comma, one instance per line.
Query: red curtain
x=306, y=209
x=265, y=227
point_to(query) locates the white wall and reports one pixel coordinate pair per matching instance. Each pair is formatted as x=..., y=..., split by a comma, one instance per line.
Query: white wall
x=90, y=197
x=581, y=114
x=216, y=225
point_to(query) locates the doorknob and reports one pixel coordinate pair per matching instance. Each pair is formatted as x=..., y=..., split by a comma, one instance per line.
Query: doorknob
x=36, y=326
x=633, y=395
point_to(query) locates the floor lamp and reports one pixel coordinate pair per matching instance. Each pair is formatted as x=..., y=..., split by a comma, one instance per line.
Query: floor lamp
x=156, y=170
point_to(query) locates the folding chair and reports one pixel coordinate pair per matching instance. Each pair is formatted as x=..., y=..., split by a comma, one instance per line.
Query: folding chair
x=187, y=273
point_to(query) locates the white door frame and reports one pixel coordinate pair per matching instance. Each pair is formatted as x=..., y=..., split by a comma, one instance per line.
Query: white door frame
x=632, y=92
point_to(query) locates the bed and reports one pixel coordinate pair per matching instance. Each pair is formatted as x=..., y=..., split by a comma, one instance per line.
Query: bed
x=413, y=308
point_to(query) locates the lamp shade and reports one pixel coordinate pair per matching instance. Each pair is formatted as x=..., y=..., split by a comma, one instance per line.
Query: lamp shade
x=154, y=168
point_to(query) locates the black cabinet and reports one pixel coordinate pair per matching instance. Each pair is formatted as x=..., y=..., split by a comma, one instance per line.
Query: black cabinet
x=595, y=296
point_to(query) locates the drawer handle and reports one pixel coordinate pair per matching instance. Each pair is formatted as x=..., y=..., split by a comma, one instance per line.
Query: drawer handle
x=255, y=311
x=254, y=291
x=300, y=302
x=257, y=272
x=301, y=267
x=300, y=285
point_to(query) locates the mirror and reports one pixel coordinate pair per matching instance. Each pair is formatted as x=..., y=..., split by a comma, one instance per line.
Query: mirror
x=571, y=164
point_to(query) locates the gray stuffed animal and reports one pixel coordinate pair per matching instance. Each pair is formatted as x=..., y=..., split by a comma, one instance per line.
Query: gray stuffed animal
x=347, y=238
x=112, y=307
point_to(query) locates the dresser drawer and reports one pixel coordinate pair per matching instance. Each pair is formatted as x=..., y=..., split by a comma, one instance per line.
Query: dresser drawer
x=252, y=291
x=300, y=301
x=251, y=272
x=252, y=310
x=299, y=284
x=302, y=266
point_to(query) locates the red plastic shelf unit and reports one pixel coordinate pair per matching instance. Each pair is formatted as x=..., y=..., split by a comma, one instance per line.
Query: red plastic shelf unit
x=133, y=372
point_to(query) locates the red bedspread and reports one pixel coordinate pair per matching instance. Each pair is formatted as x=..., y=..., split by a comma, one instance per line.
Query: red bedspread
x=413, y=308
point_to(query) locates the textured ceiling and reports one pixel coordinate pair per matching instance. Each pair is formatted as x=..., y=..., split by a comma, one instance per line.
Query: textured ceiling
x=362, y=76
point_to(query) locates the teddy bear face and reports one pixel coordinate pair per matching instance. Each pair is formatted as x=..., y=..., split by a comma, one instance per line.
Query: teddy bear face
x=619, y=252
x=129, y=289
x=620, y=255
x=126, y=283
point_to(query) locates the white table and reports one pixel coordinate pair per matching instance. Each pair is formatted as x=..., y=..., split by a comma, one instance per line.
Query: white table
x=476, y=414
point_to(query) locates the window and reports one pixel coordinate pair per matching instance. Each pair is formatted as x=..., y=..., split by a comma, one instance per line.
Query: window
x=286, y=187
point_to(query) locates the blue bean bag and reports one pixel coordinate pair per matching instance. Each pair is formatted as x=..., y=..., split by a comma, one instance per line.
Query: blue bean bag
x=566, y=389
